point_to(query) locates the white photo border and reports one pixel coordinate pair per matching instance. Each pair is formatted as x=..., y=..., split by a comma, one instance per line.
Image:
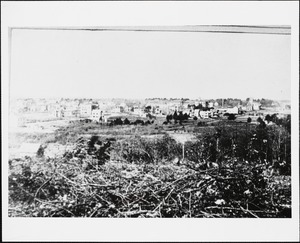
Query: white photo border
x=81, y=14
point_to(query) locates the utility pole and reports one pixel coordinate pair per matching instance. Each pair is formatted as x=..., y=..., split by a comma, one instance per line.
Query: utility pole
x=183, y=151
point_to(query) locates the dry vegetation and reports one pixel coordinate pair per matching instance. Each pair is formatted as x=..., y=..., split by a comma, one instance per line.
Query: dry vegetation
x=228, y=171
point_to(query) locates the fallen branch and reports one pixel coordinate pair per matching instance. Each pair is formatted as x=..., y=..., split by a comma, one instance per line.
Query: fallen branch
x=132, y=213
x=164, y=199
x=248, y=211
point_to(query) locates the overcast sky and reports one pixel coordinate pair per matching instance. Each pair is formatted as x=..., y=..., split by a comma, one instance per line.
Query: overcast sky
x=137, y=64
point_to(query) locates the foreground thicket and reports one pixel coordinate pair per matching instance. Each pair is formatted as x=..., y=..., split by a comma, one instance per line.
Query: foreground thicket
x=227, y=172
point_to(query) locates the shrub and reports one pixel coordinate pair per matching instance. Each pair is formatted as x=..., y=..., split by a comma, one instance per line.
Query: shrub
x=40, y=152
x=201, y=124
x=139, y=150
x=231, y=117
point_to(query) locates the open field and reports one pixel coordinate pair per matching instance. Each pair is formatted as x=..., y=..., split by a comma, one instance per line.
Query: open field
x=66, y=132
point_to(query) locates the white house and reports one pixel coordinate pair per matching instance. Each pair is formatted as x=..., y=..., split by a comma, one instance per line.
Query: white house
x=58, y=111
x=253, y=106
x=137, y=111
x=96, y=114
x=256, y=106
x=117, y=109
x=204, y=114
x=210, y=104
x=85, y=110
x=233, y=110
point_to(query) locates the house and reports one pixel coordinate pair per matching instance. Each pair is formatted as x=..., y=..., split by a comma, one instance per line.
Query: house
x=137, y=111
x=58, y=111
x=68, y=113
x=233, y=110
x=96, y=115
x=204, y=103
x=204, y=114
x=256, y=106
x=222, y=110
x=29, y=149
x=253, y=106
x=210, y=104
x=117, y=109
x=43, y=108
x=196, y=112
x=85, y=110
x=105, y=117
x=123, y=107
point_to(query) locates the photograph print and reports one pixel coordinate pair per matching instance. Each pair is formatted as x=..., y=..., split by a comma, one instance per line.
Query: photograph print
x=190, y=121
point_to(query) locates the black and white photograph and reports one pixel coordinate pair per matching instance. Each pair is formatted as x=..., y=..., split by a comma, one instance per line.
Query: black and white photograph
x=149, y=121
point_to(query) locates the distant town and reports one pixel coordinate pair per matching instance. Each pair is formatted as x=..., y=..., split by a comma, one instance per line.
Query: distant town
x=103, y=111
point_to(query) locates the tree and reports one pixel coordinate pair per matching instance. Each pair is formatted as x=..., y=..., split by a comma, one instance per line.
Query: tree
x=195, y=118
x=126, y=121
x=103, y=153
x=268, y=118
x=249, y=120
x=262, y=124
x=231, y=117
x=185, y=116
x=118, y=121
x=169, y=117
x=139, y=122
x=40, y=152
x=287, y=123
x=175, y=116
x=274, y=118
x=180, y=116
x=148, y=108
x=259, y=120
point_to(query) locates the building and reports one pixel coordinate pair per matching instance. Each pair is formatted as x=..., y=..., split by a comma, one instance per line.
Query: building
x=137, y=111
x=253, y=106
x=70, y=113
x=96, y=115
x=256, y=106
x=58, y=111
x=210, y=104
x=222, y=110
x=233, y=110
x=196, y=112
x=85, y=110
x=204, y=114
x=117, y=109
